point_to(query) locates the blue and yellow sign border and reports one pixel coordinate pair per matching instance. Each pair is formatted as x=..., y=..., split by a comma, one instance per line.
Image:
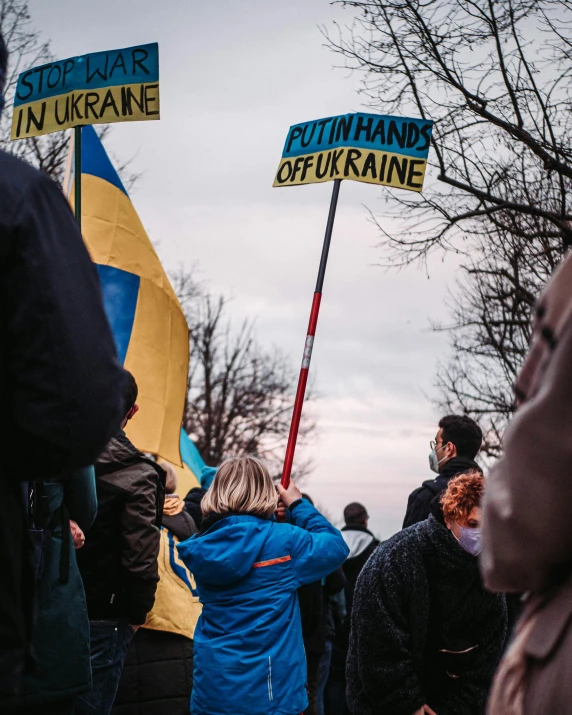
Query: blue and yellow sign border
x=371, y=148
x=97, y=88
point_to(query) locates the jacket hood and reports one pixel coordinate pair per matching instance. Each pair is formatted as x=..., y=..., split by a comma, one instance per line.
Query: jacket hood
x=227, y=551
x=118, y=454
x=357, y=540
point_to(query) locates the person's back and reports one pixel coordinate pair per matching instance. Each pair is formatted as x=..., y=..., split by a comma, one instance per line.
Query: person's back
x=249, y=653
x=60, y=381
x=361, y=543
x=118, y=562
x=453, y=452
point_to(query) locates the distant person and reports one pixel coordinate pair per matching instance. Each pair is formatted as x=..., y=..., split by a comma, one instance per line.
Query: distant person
x=60, y=381
x=453, y=452
x=426, y=637
x=118, y=563
x=249, y=654
x=527, y=524
x=158, y=673
x=361, y=543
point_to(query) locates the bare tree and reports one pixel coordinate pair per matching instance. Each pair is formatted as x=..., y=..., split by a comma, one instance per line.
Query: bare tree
x=495, y=76
x=492, y=308
x=240, y=397
x=27, y=49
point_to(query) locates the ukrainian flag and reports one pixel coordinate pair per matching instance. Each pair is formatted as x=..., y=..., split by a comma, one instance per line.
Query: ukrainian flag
x=146, y=317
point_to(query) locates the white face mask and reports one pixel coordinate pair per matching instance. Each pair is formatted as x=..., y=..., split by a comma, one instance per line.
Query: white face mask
x=434, y=462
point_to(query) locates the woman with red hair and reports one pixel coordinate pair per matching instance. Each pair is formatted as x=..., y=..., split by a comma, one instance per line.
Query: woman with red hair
x=426, y=637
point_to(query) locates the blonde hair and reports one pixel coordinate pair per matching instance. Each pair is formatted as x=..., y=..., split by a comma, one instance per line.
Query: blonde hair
x=242, y=485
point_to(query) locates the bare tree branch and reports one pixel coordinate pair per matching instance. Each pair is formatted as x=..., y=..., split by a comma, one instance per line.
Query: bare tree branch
x=240, y=397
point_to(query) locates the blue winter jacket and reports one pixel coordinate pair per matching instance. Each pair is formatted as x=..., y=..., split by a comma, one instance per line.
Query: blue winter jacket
x=249, y=654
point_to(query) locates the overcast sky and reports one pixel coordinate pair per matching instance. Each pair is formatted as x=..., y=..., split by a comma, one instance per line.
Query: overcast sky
x=235, y=74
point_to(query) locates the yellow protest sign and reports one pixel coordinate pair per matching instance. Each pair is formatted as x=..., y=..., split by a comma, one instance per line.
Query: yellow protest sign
x=372, y=148
x=98, y=88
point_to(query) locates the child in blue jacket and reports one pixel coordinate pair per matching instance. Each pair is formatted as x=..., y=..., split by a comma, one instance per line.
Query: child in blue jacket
x=249, y=655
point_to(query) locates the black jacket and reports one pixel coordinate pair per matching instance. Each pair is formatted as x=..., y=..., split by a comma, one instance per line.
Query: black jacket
x=60, y=382
x=118, y=562
x=419, y=503
x=317, y=624
x=362, y=543
x=422, y=616
x=193, y=504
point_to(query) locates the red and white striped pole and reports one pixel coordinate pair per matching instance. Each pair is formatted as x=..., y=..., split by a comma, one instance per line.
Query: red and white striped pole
x=309, y=344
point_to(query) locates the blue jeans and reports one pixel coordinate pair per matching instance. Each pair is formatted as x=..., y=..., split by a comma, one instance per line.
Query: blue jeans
x=109, y=643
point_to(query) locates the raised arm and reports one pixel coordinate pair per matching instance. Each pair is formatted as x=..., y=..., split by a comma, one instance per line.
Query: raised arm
x=318, y=548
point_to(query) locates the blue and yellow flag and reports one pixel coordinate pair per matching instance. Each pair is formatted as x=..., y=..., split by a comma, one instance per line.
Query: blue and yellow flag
x=146, y=317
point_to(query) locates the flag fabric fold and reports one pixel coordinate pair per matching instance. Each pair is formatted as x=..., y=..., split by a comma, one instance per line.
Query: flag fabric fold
x=146, y=317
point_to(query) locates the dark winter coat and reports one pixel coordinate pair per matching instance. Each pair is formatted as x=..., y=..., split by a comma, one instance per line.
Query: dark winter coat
x=60, y=382
x=118, y=563
x=361, y=543
x=60, y=637
x=419, y=503
x=193, y=504
x=424, y=630
x=157, y=678
x=324, y=628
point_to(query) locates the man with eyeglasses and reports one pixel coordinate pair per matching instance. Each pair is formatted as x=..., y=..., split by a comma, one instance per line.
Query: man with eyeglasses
x=453, y=452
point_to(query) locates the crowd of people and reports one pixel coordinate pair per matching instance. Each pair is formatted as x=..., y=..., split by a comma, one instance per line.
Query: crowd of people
x=120, y=595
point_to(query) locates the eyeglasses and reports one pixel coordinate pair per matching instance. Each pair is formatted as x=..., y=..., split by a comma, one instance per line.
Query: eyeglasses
x=433, y=444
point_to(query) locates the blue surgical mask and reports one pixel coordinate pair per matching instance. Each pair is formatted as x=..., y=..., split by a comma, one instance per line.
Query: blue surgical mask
x=470, y=540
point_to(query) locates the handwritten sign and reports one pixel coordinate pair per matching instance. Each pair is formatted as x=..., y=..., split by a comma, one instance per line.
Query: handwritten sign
x=375, y=149
x=99, y=88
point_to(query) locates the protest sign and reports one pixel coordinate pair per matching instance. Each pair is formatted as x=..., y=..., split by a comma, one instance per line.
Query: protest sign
x=99, y=88
x=373, y=148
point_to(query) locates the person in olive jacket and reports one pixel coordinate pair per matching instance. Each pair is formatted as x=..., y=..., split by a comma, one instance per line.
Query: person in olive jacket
x=118, y=563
